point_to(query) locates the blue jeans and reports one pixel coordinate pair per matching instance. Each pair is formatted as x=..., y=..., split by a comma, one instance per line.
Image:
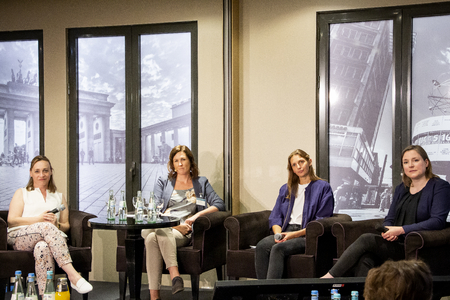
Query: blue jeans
x=270, y=256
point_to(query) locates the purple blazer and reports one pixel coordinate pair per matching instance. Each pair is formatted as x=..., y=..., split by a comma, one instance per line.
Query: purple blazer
x=319, y=204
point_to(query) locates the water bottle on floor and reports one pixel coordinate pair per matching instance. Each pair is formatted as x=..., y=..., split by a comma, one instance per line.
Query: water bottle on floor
x=17, y=293
x=49, y=292
x=31, y=288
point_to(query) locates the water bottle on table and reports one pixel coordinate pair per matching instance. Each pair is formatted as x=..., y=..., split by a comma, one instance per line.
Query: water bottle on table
x=138, y=207
x=151, y=208
x=122, y=207
x=111, y=206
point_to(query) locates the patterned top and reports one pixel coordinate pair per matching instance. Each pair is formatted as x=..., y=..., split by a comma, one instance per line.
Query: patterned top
x=182, y=204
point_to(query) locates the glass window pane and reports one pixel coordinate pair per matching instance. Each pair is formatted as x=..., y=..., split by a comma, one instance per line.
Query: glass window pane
x=430, y=119
x=165, y=101
x=19, y=114
x=360, y=115
x=101, y=121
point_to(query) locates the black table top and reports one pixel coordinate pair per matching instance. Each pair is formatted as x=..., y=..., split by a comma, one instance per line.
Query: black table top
x=130, y=223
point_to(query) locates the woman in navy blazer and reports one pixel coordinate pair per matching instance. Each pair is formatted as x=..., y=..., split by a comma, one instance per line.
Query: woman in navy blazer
x=188, y=196
x=421, y=202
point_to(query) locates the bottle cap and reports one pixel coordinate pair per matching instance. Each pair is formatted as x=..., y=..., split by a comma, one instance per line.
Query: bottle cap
x=30, y=274
x=18, y=272
x=314, y=293
x=354, y=293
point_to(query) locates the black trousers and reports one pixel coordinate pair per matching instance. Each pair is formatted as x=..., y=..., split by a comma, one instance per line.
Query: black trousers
x=368, y=251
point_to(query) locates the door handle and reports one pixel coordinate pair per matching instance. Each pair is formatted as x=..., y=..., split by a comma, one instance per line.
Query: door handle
x=133, y=169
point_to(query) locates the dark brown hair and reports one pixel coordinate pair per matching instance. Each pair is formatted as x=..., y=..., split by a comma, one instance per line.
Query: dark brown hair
x=293, y=179
x=51, y=184
x=399, y=280
x=429, y=170
x=182, y=148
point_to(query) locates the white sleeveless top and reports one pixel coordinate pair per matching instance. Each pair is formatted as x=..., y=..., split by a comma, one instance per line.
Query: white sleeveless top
x=35, y=204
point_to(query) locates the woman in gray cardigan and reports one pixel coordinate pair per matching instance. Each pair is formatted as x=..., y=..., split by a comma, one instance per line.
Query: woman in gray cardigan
x=185, y=195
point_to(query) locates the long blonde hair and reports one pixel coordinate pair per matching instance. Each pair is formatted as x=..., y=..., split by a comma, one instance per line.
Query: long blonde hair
x=293, y=179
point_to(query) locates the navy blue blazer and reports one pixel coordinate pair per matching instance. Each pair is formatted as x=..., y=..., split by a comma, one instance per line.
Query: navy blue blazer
x=432, y=209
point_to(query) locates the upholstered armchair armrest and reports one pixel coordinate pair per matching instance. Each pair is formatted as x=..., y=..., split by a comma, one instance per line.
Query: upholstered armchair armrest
x=80, y=230
x=416, y=240
x=208, y=228
x=317, y=228
x=3, y=234
x=247, y=229
x=347, y=232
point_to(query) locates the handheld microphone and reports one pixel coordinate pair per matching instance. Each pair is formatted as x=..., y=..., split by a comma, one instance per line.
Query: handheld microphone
x=278, y=236
x=57, y=209
x=380, y=228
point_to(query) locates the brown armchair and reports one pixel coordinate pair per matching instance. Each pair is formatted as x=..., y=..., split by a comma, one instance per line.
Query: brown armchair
x=207, y=251
x=432, y=246
x=248, y=229
x=79, y=242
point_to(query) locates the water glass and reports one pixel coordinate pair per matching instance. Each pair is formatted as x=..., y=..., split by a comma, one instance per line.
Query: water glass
x=159, y=203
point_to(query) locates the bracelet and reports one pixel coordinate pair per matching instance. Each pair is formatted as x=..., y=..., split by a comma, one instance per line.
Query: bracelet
x=59, y=225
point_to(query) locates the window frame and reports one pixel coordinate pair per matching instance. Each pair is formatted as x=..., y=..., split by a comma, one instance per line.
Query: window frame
x=402, y=17
x=26, y=35
x=131, y=34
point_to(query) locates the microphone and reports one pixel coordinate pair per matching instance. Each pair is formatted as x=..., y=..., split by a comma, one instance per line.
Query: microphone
x=278, y=236
x=57, y=209
x=380, y=228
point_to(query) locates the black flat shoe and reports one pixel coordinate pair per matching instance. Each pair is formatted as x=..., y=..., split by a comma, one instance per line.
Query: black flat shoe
x=177, y=285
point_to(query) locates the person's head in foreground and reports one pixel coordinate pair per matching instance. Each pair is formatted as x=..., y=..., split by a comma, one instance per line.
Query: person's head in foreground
x=399, y=280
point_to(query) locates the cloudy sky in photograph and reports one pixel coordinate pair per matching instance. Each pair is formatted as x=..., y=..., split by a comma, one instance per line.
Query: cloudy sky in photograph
x=431, y=61
x=165, y=73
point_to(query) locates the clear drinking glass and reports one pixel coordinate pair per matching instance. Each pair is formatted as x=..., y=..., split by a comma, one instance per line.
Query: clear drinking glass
x=159, y=203
x=135, y=199
x=146, y=205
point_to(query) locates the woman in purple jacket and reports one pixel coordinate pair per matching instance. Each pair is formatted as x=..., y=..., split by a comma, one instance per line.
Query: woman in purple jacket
x=304, y=198
x=421, y=202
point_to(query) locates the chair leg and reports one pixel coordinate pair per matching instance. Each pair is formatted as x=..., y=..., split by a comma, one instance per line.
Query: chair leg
x=122, y=285
x=3, y=283
x=219, y=271
x=195, y=281
x=85, y=275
